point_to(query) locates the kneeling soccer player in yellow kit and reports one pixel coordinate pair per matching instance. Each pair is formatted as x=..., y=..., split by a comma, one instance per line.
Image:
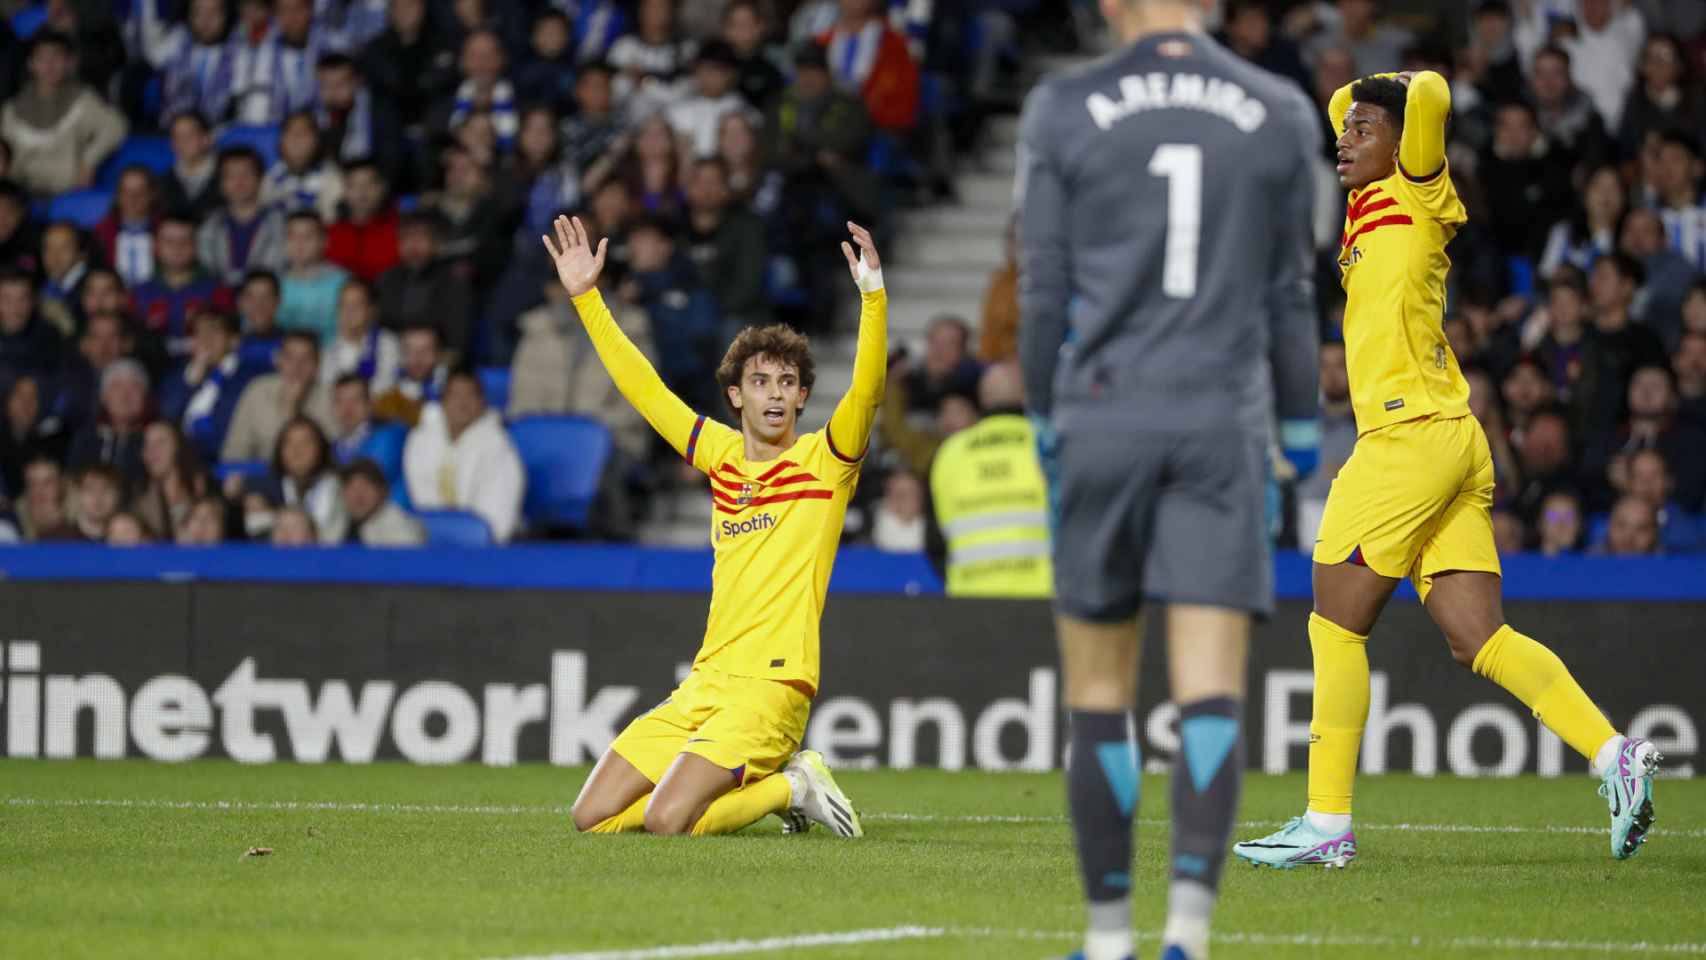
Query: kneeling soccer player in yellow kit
x=702, y=762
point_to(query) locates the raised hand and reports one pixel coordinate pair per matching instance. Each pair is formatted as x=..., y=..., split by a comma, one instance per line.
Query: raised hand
x=578, y=266
x=867, y=254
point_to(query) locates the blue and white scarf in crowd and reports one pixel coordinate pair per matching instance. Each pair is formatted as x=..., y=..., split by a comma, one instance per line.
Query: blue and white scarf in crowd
x=430, y=390
x=198, y=413
x=253, y=65
x=852, y=55
x=133, y=253
x=291, y=191
x=596, y=25
x=368, y=363
x=506, y=121
x=270, y=80
x=198, y=78
x=1686, y=231
x=348, y=448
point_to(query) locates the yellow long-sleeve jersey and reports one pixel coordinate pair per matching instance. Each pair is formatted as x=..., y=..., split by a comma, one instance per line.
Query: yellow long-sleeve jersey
x=1393, y=266
x=776, y=523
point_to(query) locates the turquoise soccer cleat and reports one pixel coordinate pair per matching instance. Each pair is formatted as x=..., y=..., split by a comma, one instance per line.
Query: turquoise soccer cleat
x=1627, y=786
x=1298, y=844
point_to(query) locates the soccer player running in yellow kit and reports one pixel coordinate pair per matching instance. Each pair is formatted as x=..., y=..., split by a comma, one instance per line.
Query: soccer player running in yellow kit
x=722, y=751
x=1415, y=498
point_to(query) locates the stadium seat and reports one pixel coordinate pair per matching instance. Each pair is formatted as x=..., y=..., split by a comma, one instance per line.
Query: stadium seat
x=264, y=141
x=85, y=208
x=565, y=458
x=455, y=528
x=155, y=153
x=385, y=446
x=247, y=469
x=27, y=21
x=495, y=381
x=1598, y=529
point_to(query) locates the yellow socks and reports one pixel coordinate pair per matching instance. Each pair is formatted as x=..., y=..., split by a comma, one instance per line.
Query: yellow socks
x=1339, y=713
x=1535, y=675
x=743, y=807
x=728, y=813
x=628, y=821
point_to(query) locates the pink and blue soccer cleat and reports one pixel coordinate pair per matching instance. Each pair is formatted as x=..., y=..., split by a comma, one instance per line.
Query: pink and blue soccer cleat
x=1299, y=844
x=1627, y=786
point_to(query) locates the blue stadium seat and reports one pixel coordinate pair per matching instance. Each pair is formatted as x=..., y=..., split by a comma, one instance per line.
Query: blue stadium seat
x=385, y=446
x=1598, y=529
x=27, y=21
x=495, y=381
x=85, y=208
x=565, y=458
x=247, y=469
x=264, y=141
x=155, y=153
x=455, y=528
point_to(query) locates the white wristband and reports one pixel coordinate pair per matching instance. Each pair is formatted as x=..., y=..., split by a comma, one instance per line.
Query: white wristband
x=869, y=280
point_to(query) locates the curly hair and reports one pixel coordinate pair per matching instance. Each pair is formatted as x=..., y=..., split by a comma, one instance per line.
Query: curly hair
x=1383, y=92
x=778, y=342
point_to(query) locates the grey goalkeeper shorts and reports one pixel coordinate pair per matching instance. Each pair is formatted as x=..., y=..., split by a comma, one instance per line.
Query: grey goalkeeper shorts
x=1167, y=517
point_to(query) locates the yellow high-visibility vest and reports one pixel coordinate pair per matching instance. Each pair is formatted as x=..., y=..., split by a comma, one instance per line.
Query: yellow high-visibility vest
x=991, y=502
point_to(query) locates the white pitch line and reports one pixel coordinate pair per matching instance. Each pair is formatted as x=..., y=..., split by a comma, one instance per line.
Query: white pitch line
x=1256, y=824
x=719, y=948
x=1417, y=942
x=341, y=806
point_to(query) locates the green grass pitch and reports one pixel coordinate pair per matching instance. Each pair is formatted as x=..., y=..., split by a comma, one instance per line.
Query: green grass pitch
x=133, y=859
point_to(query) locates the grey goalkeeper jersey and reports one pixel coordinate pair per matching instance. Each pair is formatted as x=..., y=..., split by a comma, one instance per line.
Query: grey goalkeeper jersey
x=1165, y=198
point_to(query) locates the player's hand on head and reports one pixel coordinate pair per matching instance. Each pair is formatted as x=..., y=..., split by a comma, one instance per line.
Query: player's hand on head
x=865, y=265
x=578, y=264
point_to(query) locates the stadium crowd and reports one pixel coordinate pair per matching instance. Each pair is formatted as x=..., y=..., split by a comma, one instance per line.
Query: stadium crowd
x=1578, y=288
x=270, y=270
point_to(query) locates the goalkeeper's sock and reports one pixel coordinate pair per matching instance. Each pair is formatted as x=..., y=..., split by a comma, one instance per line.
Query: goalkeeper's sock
x=628, y=821
x=1535, y=675
x=1339, y=714
x=1207, y=774
x=738, y=809
x=1101, y=791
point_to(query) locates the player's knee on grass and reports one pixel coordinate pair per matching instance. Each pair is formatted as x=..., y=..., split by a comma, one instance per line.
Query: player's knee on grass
x=586, y=814
x=669, y=817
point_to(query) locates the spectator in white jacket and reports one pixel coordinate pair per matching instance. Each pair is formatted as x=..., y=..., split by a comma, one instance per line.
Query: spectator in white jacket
x=1604, y=44
x=460, y=457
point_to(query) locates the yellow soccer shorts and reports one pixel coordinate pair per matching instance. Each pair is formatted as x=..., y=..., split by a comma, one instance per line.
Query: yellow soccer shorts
x=747, y=725
x=1415, y=499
